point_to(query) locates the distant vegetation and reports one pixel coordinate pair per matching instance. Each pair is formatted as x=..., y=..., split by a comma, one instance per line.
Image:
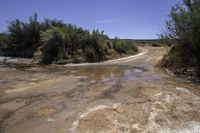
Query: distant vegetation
x=148, y=42
x=143, y=41
x=53, y=41
x=183, y=33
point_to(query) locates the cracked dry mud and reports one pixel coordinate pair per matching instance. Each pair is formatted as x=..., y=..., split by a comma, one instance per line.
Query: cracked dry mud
x=128, y=95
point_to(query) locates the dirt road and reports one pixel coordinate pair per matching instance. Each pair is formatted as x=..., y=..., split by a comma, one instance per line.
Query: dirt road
x=128, y=95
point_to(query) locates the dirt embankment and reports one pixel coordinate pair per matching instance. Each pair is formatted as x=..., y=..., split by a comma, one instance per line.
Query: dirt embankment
x=189, y=73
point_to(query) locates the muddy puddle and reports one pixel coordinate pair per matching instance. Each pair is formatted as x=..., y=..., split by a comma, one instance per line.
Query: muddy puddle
x=111, y=73
x=92, y=73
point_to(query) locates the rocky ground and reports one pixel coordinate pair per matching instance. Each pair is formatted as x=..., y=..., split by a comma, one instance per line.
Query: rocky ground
x=128, y=95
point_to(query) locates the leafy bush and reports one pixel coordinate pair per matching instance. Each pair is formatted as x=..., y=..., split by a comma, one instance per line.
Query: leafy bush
x=24, y=37
x=3, y=44
x=131, y=47
x=124, y=47
x=183, y=29
x=53, y=45
x=90, y=55
x=55, y=41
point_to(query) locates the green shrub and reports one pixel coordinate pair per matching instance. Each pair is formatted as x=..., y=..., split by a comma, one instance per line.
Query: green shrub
x=3, y=43
x=56, y=41
x=132, y=47
x=90, y=55
x=24, y=37
x=53, y=45
x=183, y=29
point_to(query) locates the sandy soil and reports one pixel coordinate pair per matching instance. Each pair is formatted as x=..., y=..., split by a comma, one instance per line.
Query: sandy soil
x=128, y=95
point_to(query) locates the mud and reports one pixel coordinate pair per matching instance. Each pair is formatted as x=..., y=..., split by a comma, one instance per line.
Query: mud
x=128, y=95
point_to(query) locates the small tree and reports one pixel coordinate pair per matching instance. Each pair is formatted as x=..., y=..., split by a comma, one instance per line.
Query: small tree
x=183, y=27
x=24, y=37
x=55, y=42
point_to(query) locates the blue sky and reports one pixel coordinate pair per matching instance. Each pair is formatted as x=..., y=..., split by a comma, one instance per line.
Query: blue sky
x=136, y=19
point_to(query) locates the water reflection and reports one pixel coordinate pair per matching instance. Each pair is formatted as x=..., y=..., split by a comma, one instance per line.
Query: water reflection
x=94, y=74
x=108, y=74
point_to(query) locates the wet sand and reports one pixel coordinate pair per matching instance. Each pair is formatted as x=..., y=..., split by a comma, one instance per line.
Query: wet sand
x=128, y=95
